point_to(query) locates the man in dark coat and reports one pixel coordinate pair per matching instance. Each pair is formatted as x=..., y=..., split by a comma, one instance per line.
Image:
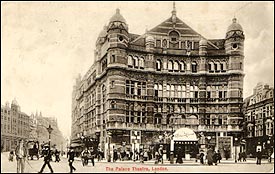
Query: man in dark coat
x=259, y=157
x=215, y=158
x=179, y=156
x=47, y=158
x=71, y=155
x=209, y=157
x=219, y=156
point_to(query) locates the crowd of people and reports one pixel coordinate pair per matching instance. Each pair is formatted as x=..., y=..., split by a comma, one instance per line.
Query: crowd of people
x=211, y=157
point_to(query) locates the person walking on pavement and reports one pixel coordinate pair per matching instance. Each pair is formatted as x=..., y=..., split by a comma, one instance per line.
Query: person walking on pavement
x=179, y=156
x=209, y=157
x=215, y=158
x=21, y=154
x=219, y=156
x=259, y=157
x=161, y=154
x=93, y=154
x=85, y=154
x=201, y=157
x=46, y=152
x=71, y=155
x=244, y=157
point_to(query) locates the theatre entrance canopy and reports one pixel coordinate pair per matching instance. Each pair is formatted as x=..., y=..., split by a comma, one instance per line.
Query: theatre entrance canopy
x=185, y=136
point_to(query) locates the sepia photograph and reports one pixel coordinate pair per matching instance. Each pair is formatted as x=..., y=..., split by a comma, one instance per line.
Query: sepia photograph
x=137, y=87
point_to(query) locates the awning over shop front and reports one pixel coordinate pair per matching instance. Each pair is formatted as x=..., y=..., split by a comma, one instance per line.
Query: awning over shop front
x=185, y=134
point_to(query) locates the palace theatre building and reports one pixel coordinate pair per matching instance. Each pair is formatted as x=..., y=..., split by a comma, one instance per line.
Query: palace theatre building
x=141, y=88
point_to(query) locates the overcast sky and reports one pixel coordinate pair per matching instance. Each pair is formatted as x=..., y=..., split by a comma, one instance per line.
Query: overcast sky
x=44, y=45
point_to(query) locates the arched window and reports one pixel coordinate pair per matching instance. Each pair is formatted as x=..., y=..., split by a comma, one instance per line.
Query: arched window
x=170, y=65
x=176, y=65
x=191, y=109
x=141, y=63
x=195, y=110
x=211, y=67
x=217, y=66
x=135, y=62
x=158, y=65
x=130, y=61
x=223, y=66
x=194, y=67
x=182, y=66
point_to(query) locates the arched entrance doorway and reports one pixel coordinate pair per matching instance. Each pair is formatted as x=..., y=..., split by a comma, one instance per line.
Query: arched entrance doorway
x=185, y=141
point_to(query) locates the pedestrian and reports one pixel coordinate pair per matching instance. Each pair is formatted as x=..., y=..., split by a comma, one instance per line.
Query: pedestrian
x=71, y=156
x=201, y=157
x=21, y=154
x=115, y=155
x=141, y=156
x=240, y=157
x=85, y=156
x=161, y=154
x=259, y=157
x=145, y=155
x=47, y=158
x=179, y=155
x=244, y=156
x=11, y=155
x=92, y=155
x=219, y=156
x=209, y=157
x=57, y=153
x=215, y=158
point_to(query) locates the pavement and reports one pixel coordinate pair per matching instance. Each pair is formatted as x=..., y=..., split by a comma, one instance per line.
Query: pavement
x=33, y=166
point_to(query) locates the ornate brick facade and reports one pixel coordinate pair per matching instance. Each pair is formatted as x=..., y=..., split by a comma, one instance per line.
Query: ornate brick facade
x=168, y=78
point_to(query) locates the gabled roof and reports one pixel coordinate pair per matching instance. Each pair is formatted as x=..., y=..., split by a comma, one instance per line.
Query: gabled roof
x=168, y=25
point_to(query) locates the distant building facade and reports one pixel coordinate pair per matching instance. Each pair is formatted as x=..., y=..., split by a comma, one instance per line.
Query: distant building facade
x=259, y=119
x=15, y=125
x=142, y=87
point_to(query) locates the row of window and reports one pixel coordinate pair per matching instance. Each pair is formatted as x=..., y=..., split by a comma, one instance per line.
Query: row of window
x=136, y=62
x=135, y=88
x=259, y=130
x=216, y=67
x=177, y=66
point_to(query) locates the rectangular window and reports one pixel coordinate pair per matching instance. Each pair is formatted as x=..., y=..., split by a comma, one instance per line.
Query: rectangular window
x=158, y=44
x=196, y=94
x=208, y=94
x=220, y=94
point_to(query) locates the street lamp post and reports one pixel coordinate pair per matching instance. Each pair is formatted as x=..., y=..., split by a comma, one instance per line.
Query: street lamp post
x=50, y=129
x=172, y=147
x=135, y=145
x=109, y=150
x=236, y=139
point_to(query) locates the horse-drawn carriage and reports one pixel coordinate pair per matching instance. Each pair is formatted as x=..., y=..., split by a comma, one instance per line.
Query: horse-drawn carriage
x=33, y=149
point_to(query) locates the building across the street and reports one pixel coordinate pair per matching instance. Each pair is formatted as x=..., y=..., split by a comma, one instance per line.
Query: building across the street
x=15, y=125
x=259, y=120
x=143, y=88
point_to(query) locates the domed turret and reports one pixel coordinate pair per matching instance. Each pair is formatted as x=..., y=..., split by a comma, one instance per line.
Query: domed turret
x=149, y=42
x=234, y=26
x=14, y=102
x=117, y=21
x=117, y=17
x=234, y=38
